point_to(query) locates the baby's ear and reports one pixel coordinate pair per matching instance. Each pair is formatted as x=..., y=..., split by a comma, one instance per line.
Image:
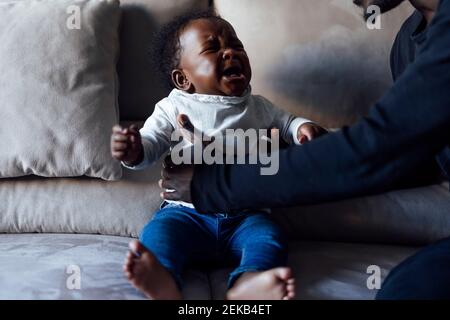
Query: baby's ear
x=180, y=80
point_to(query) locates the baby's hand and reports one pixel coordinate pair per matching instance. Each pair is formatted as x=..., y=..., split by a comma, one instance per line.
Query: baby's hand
x=309, y=131
x=126, y=145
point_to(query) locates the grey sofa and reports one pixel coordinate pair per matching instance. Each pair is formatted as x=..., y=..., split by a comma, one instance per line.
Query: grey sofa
x=314, y=58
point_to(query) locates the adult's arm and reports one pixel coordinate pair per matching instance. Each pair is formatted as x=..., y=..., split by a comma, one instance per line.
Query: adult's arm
x=409, y=125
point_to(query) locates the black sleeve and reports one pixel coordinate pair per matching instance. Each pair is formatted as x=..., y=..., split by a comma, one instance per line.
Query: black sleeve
x=410, y=124
x=393, y=58
x=403, y=51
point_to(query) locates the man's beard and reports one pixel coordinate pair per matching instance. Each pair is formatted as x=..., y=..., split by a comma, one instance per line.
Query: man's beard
x=384, y=5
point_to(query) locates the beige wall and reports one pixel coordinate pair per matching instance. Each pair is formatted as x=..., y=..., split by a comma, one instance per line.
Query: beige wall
x=315, y=58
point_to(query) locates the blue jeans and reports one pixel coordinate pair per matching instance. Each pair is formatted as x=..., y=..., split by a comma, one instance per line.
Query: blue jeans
x=180, y=237
x=425, y=275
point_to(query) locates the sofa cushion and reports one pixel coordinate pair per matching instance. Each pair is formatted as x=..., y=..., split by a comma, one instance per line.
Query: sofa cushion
x=39, y=266
x=58, y=87
x=140, y=86
x=80, y=205
x=316, y=59
x=323, y=270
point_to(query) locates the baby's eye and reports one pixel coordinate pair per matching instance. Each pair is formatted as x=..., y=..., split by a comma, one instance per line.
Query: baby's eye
x=209, y=49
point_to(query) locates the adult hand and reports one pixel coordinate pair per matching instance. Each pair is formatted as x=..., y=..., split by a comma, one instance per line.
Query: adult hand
x=176, y=180
x=309, y=131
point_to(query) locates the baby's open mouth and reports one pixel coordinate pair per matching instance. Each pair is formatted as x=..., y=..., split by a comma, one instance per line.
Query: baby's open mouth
x=233, y=72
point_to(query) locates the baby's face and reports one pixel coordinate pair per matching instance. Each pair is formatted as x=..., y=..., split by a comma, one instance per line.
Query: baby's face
x=213, y=60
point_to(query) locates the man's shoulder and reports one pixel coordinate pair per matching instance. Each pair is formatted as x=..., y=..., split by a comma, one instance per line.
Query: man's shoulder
x=403, y=49
x=411, y=24
x=404, y=36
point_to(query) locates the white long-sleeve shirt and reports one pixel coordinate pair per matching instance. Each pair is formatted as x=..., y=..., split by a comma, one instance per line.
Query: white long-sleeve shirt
x=212, y=114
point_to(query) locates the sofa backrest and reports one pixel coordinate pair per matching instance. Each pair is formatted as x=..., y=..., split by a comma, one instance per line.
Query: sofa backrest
x=415, y=216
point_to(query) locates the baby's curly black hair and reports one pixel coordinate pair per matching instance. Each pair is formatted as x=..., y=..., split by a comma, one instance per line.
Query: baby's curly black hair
x=165, y=52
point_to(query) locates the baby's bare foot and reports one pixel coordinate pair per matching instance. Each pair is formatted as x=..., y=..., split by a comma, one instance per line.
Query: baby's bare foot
x=146, y=274
x=273, y=284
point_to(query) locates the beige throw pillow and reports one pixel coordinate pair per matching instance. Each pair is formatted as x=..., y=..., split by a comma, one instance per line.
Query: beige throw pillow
x=58, y=87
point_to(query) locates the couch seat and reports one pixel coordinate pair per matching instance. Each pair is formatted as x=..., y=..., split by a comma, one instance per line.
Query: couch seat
x=35, y=266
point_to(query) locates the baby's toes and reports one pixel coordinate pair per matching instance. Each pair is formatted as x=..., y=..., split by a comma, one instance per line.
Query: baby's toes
x=128, y=263
x=290, y=291
x=127, y=272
